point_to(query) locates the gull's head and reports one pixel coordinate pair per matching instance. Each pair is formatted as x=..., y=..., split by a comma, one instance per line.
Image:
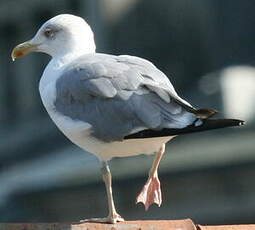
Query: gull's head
x=61, y=35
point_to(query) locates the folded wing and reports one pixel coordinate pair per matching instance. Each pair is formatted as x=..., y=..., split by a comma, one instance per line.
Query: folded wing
x=122, y=95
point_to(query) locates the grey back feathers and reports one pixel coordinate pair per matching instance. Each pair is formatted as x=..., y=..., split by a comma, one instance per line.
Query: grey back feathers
x=119, y=95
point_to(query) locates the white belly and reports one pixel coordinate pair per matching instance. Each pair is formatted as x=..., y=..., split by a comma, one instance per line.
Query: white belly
x=79, y=133
x=108, y=150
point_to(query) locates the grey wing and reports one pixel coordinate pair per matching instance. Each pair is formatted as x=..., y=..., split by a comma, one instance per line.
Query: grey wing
x=156, y=80
x=118, y=96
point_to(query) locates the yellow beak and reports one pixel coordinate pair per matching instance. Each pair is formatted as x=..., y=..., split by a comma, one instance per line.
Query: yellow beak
x=23, y=49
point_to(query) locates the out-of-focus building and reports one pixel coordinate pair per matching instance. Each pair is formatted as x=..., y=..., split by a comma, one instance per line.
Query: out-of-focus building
x=206, y=176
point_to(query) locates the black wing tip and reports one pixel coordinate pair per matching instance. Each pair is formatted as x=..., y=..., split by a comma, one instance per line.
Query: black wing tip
x=241, y=122
x=208, y=124
x=222, y=123
x=235, y=122
x=206, y=114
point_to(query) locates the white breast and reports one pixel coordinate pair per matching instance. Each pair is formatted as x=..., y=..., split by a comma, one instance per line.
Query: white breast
x=47, y=89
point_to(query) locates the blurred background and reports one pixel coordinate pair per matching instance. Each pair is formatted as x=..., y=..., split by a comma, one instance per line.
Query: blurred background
x=207, y=49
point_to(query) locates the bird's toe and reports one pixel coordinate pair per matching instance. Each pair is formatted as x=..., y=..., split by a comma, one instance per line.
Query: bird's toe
x=113, y=219
x=151, y=193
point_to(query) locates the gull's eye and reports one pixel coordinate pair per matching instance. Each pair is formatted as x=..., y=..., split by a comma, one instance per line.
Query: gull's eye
x=48, y=33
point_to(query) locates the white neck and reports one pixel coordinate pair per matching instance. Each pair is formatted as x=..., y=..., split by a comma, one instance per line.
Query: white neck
x=55, y=67
x=58, y=61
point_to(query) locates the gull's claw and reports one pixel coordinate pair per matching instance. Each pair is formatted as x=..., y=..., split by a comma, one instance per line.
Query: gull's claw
x=110, y=219
x=151, y=193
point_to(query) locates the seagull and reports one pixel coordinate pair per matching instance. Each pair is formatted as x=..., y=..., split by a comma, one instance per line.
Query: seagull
x=111, y=106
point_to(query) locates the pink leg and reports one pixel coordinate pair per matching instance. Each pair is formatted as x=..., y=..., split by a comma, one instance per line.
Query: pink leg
x=151, y=192
x=113, y=217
